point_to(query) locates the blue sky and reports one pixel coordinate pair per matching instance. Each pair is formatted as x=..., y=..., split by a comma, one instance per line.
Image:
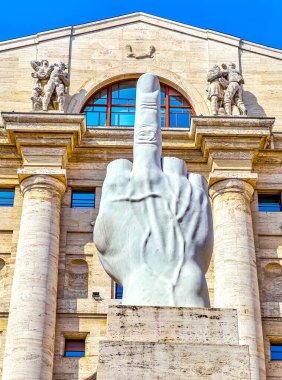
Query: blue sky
x=254, y=20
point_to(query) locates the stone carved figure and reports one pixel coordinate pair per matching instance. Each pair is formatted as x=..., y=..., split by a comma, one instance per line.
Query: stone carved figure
x=217, y=85
x=225, y=90
x=42, y=71
x=59, y=80
x=51, y=82
x=233, y=93
x=154, y=231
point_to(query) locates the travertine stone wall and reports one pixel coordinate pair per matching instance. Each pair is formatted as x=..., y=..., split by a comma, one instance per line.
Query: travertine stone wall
x=31, y=326
x=268, y=239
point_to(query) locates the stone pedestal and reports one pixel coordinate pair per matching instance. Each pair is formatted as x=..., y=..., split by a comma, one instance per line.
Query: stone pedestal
x=146, y=342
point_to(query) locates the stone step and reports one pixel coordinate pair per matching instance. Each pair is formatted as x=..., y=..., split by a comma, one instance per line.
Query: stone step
x=172, y=324
x=150, y=360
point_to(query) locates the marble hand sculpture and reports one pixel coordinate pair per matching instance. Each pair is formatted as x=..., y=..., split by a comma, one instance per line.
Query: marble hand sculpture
x=154, y=230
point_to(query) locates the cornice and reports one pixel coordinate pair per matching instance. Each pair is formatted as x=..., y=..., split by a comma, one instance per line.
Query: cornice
x=43, y=139
x=53, y=139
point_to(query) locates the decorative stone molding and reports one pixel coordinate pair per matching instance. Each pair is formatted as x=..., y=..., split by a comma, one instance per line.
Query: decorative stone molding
x=231, y=185
x=245, y=177
x=230, y=144
x=133, y=69
x=56, y=137
x=42, y=182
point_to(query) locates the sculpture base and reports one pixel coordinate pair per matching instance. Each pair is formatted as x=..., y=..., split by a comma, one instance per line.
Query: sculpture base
x=146, y=342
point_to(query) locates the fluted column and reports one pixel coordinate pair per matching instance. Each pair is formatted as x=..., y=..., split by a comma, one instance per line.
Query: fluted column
x=31, y=325
x=236, y=282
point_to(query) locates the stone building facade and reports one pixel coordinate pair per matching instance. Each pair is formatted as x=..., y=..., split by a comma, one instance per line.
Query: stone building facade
x=48, y=265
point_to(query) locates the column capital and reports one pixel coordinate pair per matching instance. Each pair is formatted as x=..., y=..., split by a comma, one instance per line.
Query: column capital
x=48, y=179
x=232, y=185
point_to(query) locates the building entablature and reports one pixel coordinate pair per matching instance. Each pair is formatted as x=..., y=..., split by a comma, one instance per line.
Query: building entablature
x=220, y=144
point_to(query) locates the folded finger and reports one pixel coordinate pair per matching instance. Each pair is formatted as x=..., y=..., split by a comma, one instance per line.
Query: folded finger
x=174, y=166
x=199, y=181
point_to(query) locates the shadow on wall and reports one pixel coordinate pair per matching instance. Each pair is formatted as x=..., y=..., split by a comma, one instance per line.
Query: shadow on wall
x=252, y=105
x=74, y=102
x=92, y=377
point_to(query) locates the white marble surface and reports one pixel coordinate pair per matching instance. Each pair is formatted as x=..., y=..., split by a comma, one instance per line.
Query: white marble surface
x=154, y=230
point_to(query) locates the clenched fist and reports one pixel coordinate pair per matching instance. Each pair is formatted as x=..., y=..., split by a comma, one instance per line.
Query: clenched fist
x=154, y=230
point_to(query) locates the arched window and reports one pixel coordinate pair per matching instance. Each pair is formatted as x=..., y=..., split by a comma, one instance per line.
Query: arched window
x=114, y=106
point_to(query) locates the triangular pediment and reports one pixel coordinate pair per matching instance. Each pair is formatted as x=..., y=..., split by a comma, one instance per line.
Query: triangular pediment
x=140, y=17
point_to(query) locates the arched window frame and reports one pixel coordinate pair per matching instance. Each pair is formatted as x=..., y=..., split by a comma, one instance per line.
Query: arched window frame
x=168, y=91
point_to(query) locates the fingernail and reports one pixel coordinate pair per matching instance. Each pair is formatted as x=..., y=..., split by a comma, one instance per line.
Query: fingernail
x=148, y=83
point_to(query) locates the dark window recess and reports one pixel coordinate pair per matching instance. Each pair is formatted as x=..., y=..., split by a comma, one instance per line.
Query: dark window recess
x=83, y=199
x=7, y=198
x=119, y=291
x=276, y=351
x=269, y=202
x=114, y=106
x=74, y=348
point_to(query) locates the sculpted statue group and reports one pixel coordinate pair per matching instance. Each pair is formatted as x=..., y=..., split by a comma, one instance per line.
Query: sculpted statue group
x=50, y=85
x=154, y=231
x=225, y=90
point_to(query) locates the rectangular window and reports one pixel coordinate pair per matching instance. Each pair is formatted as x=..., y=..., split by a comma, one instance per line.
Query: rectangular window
x=269, y=202
x=123, y=116
x=7, y=197
x=276, y=351
x=118, y=292
x=83, y=199
x=74, y=348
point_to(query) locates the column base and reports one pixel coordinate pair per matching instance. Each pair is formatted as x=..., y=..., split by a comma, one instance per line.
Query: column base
x=146, y=342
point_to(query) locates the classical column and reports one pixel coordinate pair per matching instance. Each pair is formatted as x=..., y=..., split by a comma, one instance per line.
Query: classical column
x=236, y=282
x=31, y=326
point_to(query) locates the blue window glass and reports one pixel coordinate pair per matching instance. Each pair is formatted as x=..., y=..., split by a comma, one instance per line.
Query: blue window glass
x=101, y=97
x=269, y=202
x=123, y=116
x=276, y=351
x=124, y=93
x=74, y=348
x=119, y=292
x=179, y=117
x=176, y=100
x=162, y=117
x=83, y=199
x=7, y=197
x=74, y=354
x=115, y=106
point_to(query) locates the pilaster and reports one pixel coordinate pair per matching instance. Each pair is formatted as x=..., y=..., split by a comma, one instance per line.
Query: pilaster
x=235, y=271
x=44, y=142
